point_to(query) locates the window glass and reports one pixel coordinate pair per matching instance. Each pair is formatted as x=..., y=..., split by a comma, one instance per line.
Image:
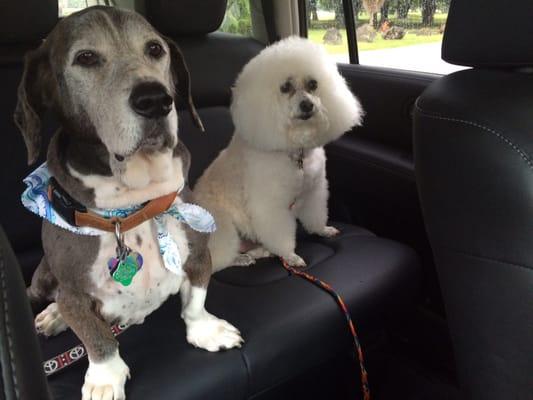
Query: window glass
x=67, y=7
x=326, y=26
x=404, y=34
x=238, y=18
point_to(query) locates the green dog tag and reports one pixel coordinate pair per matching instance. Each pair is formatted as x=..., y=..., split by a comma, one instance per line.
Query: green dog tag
x=126, y=270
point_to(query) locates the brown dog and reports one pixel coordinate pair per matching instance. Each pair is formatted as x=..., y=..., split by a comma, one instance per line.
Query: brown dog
x=110, y=78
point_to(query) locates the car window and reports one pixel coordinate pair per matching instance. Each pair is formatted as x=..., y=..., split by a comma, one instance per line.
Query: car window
x=238, y=18
x=67, y=7
x=403, y=34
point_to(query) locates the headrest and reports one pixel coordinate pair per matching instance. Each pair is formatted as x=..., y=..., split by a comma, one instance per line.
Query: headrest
x=185, y=17
x=489, y=33
x=26, y=21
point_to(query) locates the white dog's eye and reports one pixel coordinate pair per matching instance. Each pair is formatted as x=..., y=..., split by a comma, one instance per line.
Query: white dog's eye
x=286, y=87
x=312, y=85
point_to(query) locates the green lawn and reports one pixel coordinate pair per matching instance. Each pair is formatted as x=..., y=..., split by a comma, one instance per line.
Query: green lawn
x=411, y=24
x=409, y=39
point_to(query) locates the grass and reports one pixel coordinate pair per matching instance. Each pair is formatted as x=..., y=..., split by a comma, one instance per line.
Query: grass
x=409, y=39
x=412, y=23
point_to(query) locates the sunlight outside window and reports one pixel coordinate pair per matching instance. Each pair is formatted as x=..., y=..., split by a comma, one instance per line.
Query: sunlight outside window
x=403, y=34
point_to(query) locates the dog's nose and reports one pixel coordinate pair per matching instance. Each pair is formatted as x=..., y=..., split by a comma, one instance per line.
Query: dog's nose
x=151, y=100
x=306, y=106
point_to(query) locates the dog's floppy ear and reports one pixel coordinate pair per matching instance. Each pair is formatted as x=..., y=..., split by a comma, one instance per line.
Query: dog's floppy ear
x=181, y=75
x=34, y=94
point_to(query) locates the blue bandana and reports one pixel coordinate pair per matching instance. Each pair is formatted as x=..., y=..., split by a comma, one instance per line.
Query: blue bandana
x=35, y=199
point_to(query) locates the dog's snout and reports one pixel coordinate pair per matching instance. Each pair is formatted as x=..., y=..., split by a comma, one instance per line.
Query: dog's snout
x=306, y=106
x=151, y=100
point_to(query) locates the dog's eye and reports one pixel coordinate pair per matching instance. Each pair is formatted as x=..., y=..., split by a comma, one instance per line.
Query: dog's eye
x=286, y=87
x=312, y=85
x=154, y=50
x=87, y=58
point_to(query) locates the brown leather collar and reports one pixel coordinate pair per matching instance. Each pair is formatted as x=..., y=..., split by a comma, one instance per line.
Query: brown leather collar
x=80, y=216
x=148, y=211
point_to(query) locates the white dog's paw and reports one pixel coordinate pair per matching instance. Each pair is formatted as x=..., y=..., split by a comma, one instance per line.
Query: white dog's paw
x=294, y=260
x=213, y=334
x=243, y=260
x=106, y=380
x=329, y=231
x=49, y=322
x=259, y=252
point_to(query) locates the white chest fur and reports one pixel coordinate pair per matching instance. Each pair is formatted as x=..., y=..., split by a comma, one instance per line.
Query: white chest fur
x=276, y=173
x=150, y=287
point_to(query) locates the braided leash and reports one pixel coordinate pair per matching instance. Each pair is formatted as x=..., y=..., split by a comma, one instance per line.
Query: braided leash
x=357, y=346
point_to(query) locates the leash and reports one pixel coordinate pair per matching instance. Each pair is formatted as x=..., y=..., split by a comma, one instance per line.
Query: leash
x=73, y=355
x=338, y=299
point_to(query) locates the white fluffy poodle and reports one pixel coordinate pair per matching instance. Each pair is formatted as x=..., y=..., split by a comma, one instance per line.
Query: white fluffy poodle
x=288, y=102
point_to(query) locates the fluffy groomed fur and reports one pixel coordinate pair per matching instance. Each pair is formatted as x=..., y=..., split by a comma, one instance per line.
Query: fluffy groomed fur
x=288, y=102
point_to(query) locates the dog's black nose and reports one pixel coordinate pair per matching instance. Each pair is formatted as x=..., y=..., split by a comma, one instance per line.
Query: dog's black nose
x=306, y=106
x=151, y=100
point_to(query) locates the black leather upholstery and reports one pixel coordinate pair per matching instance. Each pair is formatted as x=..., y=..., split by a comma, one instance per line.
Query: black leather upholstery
x=20, y=356
x=489, y=33
x=185, y=17
x=214, y=62
x=24, y=21
x=474, y=162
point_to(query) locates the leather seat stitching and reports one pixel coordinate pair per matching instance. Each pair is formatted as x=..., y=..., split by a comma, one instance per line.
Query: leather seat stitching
x=517, y=149
x=6, y=324
x=464, y=253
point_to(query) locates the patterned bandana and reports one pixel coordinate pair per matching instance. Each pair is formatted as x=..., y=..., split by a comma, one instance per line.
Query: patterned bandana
x=35, y=199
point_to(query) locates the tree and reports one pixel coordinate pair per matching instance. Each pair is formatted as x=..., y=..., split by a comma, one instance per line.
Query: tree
x=372, y=7
x=356, y=7
x=312, y=7
x=428, y=11
x=402, y=8
x=384, y=12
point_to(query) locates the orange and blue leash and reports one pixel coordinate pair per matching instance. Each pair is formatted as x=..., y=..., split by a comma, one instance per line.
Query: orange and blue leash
x=338, y=299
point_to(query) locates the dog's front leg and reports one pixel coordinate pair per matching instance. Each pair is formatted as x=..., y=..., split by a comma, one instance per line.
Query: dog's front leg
x=107, y=373
x=275, y=227
x=204, y=330
x=312, y=208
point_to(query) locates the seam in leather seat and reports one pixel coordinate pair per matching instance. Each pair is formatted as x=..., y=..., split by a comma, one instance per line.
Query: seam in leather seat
x=480, y=257
x=6, y=324
x=499, y=135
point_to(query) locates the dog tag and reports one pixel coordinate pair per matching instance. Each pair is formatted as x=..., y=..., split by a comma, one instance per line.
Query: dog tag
x=125, y=270
x=126, y=264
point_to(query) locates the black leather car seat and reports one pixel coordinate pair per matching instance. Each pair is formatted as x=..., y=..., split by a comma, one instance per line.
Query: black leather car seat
x=293, y=331
x=474, y=162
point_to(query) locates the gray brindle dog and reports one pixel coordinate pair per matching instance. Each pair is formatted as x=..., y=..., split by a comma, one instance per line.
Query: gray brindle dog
x=111, y=80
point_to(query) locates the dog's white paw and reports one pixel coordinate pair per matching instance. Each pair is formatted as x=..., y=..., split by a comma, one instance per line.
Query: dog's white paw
x=329, y=231
x=106, y=380
x=294, y=260
x=213, y=334
x=49, y=322
x=259, y=252
x=243, y=260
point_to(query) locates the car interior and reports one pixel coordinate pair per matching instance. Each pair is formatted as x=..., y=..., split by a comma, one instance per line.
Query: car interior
x=433, y=196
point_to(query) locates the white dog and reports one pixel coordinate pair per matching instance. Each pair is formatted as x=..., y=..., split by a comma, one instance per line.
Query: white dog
x=288, y=102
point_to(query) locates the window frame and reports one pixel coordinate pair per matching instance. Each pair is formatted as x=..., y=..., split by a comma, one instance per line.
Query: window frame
x=349, y=22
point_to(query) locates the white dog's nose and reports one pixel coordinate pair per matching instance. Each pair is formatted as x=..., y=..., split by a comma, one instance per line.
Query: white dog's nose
x=306, y=106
